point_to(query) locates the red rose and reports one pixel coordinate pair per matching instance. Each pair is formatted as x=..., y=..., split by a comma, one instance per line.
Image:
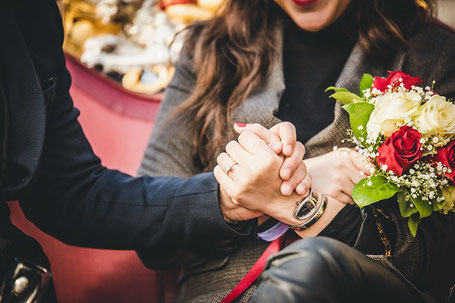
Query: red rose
x=446, y=155
x=400, y=150
x=393, y=79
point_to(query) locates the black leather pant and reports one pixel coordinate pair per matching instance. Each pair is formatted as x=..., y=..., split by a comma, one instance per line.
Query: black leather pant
x=325, y=270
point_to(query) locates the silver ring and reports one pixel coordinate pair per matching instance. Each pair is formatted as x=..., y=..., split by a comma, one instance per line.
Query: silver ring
x=228, y=168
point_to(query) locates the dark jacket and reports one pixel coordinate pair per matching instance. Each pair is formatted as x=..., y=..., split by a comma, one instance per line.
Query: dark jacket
x=51, y=169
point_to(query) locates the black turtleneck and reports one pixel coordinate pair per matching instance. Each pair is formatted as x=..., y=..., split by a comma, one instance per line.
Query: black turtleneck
x=311, y=63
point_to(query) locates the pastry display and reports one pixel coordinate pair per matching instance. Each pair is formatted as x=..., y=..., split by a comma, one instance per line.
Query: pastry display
x=134, y=42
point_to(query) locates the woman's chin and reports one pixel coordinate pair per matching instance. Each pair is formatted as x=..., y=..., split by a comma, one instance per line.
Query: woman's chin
x=312, y=23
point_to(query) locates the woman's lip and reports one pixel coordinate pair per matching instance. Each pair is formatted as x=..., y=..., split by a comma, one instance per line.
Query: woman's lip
x=304, y=2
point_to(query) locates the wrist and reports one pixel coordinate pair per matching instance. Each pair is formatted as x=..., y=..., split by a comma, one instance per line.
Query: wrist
x=311, y=215
x=283, y=209
x=332, y=209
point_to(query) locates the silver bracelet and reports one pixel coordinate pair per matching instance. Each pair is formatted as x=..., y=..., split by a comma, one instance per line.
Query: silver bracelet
x=315, y=216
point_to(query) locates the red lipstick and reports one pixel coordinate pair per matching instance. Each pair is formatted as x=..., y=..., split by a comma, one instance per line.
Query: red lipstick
x=305, y=3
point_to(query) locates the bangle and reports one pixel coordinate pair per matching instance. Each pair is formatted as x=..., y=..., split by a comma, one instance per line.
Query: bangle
x=315, y=217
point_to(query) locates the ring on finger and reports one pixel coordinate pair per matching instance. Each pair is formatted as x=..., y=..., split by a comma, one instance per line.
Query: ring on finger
x=229, y=167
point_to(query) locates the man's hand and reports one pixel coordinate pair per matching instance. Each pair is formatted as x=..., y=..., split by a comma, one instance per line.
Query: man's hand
x=253, y=179
x=282, y=138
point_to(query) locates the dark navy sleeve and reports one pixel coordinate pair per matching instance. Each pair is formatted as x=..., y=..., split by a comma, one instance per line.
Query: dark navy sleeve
x=77, y=200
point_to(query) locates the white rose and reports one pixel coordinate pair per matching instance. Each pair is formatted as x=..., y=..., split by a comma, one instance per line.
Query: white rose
x=391, y=109
x=436, y=116
x=448, y=193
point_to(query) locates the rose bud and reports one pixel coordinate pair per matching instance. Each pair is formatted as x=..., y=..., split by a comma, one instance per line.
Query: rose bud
x=400, y=150
x=394, y=79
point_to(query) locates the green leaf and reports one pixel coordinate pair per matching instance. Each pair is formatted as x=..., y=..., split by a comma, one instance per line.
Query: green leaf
x=365, y=83
x=413, y=223
x=379, y=189
x=405, y=207
x=336, y=89
x=359, y=114
x=345, y=97
x=424, y=208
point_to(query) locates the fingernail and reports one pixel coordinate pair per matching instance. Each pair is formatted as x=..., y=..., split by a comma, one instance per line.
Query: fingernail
x=289, y=149
x=241, y=125
x=287, y=190
x=300, y=189
x=286, y=173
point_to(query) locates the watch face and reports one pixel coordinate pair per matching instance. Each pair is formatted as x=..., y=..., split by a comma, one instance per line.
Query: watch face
x=305, y=210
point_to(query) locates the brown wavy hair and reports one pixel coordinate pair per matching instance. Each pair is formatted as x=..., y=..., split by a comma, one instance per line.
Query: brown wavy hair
x=233, y=55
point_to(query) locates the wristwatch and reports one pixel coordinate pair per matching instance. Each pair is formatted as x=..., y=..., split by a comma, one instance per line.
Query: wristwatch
x=306, y=210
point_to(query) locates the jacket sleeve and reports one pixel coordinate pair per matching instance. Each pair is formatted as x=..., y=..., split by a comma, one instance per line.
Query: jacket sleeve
x=77, y=200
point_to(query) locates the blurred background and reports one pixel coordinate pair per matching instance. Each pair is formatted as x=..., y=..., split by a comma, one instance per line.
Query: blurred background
x=120, y=55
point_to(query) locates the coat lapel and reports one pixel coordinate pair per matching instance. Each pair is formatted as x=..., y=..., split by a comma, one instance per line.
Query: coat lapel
x=356, y=65
x=25, y=105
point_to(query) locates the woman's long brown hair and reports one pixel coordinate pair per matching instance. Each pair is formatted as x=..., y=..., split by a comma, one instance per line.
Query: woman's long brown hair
x=233, y=55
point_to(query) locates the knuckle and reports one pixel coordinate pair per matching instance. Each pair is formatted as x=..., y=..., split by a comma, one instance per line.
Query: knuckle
x=231, y=144
x=244, y=135
x=255, y=127
x=338, y=165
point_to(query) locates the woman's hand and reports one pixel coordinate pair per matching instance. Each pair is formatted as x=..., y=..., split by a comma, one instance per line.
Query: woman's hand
x=336, y=173
x=254, y=181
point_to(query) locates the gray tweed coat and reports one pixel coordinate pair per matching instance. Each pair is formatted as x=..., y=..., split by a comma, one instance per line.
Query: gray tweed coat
x=430, y=55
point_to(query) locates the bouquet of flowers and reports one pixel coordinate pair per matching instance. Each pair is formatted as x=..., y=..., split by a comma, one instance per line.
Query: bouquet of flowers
x=408, y=134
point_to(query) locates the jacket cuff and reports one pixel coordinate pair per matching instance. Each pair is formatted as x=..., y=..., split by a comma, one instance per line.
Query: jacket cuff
x=213, y=214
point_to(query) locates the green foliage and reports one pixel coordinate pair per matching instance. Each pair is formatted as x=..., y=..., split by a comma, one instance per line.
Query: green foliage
x=346, y=97
x=413, y=223
x=359, y=114
x=365, y=83
x=336, y=89
x=405, y=207
x=423, y=207
x=373, y=189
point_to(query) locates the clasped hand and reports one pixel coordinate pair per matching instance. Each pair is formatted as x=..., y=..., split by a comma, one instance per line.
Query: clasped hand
x=270, y=175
